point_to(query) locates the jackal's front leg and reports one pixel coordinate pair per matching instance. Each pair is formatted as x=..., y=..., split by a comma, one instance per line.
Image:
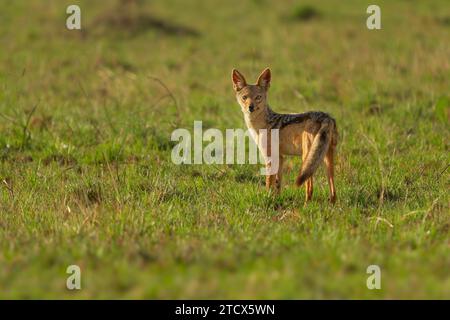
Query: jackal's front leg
x=279, y=177
x=273, y=174
x=270, y=180
x=272, y=158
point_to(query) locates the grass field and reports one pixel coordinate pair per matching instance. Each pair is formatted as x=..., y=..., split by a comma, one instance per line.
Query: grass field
x=87, y=179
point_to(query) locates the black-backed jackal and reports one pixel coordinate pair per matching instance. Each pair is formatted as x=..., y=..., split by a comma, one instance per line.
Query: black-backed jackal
x=313, y=135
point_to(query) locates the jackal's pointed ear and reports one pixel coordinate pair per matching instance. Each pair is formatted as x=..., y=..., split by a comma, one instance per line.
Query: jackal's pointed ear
x=264, y=79
x=238, y=80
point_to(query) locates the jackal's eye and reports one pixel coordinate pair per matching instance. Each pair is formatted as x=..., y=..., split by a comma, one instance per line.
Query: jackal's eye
x=244, y=98
x=258, y=98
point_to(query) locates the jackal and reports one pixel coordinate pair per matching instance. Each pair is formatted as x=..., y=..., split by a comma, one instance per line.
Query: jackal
x=313, y=134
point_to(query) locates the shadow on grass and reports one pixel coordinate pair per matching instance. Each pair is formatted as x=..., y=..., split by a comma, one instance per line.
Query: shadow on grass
x=305, y=13
x=133, y=21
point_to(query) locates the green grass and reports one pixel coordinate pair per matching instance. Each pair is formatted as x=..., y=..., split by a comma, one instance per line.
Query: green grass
x=85, y=169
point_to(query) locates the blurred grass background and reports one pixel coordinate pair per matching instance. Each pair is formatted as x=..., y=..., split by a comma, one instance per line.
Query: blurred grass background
x=85, y=170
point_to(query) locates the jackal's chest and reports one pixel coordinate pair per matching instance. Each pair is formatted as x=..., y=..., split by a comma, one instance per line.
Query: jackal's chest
x=255, y=130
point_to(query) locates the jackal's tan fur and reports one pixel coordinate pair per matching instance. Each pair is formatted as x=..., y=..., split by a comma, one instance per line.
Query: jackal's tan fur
x=313, y=135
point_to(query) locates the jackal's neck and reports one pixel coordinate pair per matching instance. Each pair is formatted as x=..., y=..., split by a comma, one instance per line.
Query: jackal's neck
x=258, y=121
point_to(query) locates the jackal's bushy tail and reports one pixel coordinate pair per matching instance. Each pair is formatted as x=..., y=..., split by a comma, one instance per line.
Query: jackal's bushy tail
x=326, y=135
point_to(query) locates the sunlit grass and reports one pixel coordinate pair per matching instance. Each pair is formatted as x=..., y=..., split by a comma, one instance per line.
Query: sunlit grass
x=86, y=176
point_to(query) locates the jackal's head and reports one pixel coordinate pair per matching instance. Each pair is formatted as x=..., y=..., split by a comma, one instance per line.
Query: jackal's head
x=251, y=97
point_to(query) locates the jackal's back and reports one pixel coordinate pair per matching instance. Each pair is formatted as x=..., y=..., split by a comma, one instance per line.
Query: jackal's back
x=311, y=119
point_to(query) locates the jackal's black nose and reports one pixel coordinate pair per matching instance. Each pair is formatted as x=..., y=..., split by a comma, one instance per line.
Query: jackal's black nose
x=251, y=108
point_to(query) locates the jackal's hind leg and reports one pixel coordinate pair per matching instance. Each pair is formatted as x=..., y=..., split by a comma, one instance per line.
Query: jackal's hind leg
x=329, y=163
x=306, y=147
x=309, y=189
